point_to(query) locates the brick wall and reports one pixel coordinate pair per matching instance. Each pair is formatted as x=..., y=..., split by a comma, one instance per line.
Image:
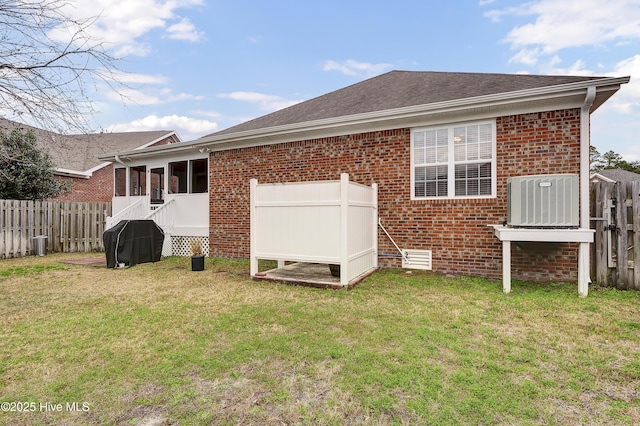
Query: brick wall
x=455, y=230
x=99, y=187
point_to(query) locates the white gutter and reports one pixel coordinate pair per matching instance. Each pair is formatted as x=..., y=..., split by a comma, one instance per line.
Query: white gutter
x=72, y=173
x=245, y=138
x=585, y=143
x=528, y=94
x=118, y=160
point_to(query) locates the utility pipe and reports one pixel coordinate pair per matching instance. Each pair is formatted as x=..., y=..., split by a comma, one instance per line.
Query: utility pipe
x=404, y=256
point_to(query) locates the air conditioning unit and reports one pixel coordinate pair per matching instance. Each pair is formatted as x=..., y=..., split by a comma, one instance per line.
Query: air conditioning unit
x=543, y=201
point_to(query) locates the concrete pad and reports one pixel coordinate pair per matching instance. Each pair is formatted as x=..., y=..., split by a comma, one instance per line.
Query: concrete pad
x=307, y=274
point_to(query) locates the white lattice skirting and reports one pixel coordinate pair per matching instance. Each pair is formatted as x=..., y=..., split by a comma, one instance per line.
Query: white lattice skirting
x=181, y=246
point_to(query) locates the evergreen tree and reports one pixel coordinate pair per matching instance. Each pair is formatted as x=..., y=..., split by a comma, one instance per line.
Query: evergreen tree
x=26, y=173
x=595, y=159
x=611, y=160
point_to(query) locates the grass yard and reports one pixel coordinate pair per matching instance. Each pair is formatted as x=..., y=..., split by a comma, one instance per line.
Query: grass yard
x=159, y=344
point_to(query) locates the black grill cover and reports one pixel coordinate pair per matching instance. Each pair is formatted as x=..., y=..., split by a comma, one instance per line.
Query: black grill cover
x=132, y=242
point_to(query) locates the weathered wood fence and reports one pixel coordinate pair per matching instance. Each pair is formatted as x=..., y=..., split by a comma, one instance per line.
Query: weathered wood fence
x=69, y=227
x=615, y=215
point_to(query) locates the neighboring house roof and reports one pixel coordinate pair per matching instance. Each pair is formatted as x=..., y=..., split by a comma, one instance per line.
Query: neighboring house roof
x=401, y=99
x=78, y=154
x=615, y=175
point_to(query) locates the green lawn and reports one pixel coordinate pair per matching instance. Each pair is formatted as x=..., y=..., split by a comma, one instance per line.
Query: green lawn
x=159, y=344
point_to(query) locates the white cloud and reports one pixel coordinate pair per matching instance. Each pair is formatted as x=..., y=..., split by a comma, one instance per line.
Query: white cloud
x=206, y=113
x=119, y=24
x=527, y=57
x=138, y=97
x=569, y=23
x=184, y=30
x=187, y=127
x=266, y=102
x=128, y=77
x=552, y=68
x=354, y=68
x=627, y=100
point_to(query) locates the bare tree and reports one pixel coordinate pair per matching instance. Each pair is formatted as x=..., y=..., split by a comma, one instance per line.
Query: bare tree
x=45, y=81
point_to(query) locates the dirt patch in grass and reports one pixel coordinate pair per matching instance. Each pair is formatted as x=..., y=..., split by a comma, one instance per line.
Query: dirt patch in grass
x=277, y=393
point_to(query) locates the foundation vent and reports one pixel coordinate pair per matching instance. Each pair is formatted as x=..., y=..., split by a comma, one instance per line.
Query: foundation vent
x=416, y=259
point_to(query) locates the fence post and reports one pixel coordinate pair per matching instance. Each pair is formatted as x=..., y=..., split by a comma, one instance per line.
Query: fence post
x=635, y=199
x=621, y=229
x=253, y=183
x=374, y=190
x=344, y=229
x=3, y=229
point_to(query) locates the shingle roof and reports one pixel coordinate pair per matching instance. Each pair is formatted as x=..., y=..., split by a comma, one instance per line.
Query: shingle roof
x=80, y=152
x=619, y=174
x=397, y=89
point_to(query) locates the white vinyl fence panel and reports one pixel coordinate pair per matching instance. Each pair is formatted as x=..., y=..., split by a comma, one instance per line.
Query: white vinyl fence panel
x=333, y=222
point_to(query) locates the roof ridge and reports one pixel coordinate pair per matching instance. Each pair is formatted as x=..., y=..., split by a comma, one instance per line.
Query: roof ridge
x=399, y=89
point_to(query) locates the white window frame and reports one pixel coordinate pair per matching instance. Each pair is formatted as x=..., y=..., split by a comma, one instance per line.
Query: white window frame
x=451, y=163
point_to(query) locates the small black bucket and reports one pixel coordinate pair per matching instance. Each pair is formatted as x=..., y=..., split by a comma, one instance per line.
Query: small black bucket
x=197, y=263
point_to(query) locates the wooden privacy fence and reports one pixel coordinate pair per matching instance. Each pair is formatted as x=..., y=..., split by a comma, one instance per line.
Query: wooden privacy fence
x=68, y=226
x=615, y=215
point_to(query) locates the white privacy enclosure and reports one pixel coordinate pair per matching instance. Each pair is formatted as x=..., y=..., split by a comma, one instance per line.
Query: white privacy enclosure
x=332, y=222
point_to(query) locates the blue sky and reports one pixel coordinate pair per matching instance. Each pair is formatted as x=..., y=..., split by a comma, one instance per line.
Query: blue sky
x=198, y=66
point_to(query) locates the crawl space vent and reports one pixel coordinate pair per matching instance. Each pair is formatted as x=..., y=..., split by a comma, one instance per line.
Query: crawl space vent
x=416, y=259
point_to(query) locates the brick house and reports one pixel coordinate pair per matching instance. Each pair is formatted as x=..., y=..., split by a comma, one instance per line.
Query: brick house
x=76, y=157
x=440, y=147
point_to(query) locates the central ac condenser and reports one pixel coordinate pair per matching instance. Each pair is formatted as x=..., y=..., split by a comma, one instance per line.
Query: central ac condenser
x=543, y=201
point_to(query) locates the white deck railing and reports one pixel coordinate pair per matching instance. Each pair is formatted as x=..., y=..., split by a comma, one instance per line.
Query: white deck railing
x=164, y=215
x=137, y=210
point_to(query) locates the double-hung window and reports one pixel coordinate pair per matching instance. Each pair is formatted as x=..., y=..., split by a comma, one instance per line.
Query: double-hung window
x=455, y=161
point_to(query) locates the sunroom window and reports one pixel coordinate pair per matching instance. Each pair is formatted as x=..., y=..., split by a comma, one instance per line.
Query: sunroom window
x=188, y=176
x=120, y=182
x=453, y=161
x=178, y=177
x=139, y=180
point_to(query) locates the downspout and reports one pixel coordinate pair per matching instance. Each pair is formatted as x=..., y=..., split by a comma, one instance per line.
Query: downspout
x=585, y=143
x=584, y=266
x=118, y=160
x=127, y=178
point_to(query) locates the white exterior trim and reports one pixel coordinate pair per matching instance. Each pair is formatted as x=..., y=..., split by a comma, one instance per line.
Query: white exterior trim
x=582, y=236
x=451, y=162
x=599, y=177
x=72, y=173
x=549, y=98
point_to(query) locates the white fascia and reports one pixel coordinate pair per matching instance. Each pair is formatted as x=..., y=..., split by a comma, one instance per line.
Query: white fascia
x=72, y=173
x=487, y=102
x=376, y=120
x=148, y=144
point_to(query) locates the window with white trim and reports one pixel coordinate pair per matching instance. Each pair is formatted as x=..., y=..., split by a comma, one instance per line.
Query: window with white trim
x=456, y=161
